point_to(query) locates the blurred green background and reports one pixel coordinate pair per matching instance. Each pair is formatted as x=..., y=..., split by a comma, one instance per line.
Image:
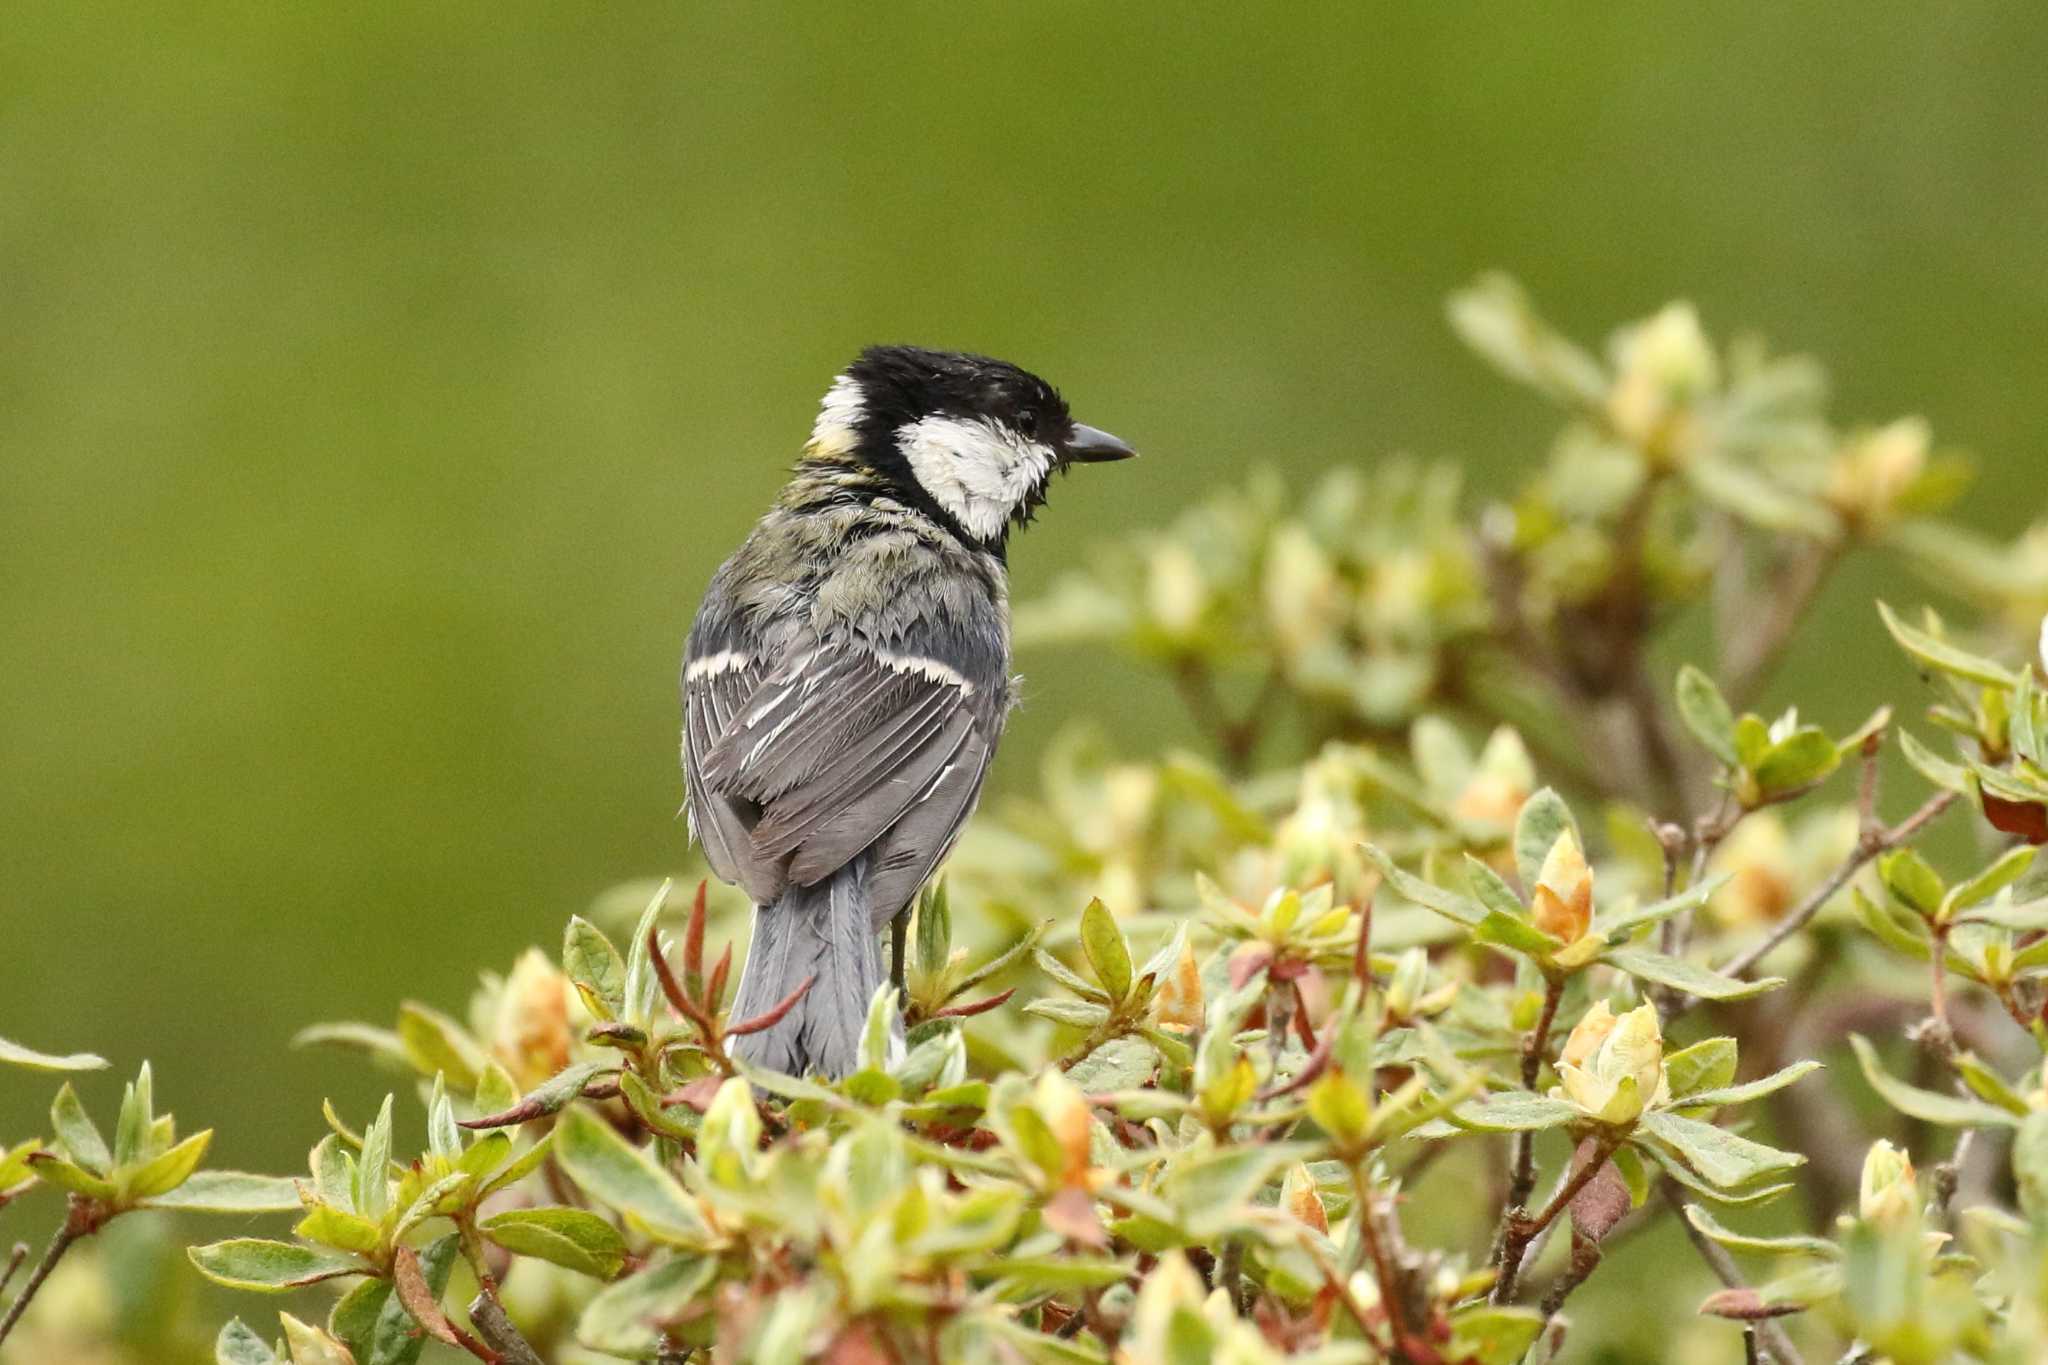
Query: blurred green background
x=379, y=385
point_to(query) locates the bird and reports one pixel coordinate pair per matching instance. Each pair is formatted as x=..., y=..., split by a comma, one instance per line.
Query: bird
x=847, y=676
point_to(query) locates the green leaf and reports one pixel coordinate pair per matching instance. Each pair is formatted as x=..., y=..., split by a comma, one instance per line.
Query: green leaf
x=641, y=981
x=382, y=1044
x=1706, y=1065
x=1514, y=1111
x=1689, y=977
x=1119, y=1064
x=238, y=1344
x=1492, y=890
x=1489, y=1334
x=76, y=1133
x=1628, y=919
x=1989, y=1085
x=1943, y=657
x=551, y=1096
x=934, y=929
x=1033, y=1277
x=1717, y=1154
x=622, y=1320
x=14, y=1054
x=1494, y=317
x=1906, y=875
x=1951, y=1111
x=434, y=1042
x=68, y=1175
x=1897, y=930
x=1108, y=954
x=373, y=1168
x=1757, y=499
x=2009, y=868
x=1752, y=1090
x=131, y=1129
x=1449, y=904
x=1937, y=770
x=1066, y=976
x=1683, y=1175
x=613, y=1171
x=595, y=968
x=1544, y=816
x=164, y=1173
x=256, y=1263
x=1765, y=1246
x=1077, y=1013
x=1706, y=713
x=1516, y=934
x=571, y=1238
x=340, y=1229
x=1209, y=1190
x=230, y=1192
x=1797, y=762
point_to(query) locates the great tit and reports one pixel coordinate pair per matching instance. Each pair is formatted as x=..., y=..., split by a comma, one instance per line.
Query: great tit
x=848, y=674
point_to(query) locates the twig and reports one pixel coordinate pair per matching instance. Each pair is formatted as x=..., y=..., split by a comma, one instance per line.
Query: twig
x=78, y=1222
x=1772, y=1336
x=1585, y=1260
x=1874, y=841
x=1522, y=1230
x=1534, y=1047
x=14, y=1260
x=488, y=1317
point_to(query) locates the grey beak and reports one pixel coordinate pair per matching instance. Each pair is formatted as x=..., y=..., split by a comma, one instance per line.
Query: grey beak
x=1092, y=445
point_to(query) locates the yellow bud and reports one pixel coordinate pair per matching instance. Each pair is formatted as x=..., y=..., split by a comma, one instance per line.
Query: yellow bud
x=1874, y=470
x=530, y=1030
x=1175, y=591
x=1301, y=590
x=1564, y=891
x=1890, y=1191
x=1587, y=1035
x=1177, y=1005
x=1065, y=1110
x=1662, y=366
x=1613, y=1068
x=1299, y=1197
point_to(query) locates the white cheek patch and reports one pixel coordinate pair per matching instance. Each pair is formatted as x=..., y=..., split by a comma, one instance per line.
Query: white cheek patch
x=837, y=429
x=976, y=470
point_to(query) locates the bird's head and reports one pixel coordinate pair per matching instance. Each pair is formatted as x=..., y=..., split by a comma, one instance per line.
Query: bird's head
x=977, y=439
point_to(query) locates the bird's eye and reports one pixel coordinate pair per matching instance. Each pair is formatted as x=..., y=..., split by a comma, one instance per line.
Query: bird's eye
x=1027, y=423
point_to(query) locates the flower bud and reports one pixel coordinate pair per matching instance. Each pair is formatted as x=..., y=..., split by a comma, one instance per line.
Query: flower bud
x=1299, y=1197
x=530, y=1031
x=1613, y=1069
x=1175, y=591
x=1872, y=472
x=1662, y=366
x=1890, y=1191
x=1411, y=976
x=1564, y=891
x=1177, y=1005
x=1302, y=595
x=1065, y=1111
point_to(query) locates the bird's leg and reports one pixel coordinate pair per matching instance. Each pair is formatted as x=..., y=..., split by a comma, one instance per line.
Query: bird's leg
x=899, y=938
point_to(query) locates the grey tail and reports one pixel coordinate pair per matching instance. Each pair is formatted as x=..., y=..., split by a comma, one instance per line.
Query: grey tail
x=822, y=930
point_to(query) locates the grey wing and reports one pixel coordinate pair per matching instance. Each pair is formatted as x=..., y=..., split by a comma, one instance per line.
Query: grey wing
x=715, y=688
x=842, y=748
x=907, y=855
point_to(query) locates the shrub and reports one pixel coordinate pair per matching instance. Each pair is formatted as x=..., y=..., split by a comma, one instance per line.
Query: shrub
x=1473, y=943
